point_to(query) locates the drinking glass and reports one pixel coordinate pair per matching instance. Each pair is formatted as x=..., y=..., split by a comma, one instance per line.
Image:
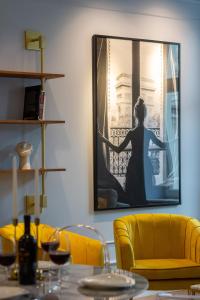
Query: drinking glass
x=50, y=242
x=61, y=255
x=7, y=254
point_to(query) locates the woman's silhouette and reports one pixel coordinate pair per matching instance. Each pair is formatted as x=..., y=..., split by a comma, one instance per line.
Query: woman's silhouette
x=139, y=177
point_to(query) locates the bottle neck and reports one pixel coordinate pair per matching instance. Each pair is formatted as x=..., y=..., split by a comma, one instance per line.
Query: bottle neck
x=27, y=220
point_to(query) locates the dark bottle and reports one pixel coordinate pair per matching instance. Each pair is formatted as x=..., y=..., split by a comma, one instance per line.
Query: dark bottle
x=27, y=255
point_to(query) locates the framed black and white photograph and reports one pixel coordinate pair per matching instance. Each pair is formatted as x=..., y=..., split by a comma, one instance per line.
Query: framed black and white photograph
x=136, y=107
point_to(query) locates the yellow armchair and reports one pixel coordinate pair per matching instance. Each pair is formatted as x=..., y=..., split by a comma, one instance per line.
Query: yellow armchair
x=165, y=248
x=84, y=250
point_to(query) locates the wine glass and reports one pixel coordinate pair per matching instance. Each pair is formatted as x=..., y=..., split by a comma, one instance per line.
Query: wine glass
x=61, y=255
x=7, y=254
x=50, y=242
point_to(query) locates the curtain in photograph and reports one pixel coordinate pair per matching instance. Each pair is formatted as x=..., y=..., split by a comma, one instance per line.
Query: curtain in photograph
x=107, y=183
x=102, y=121
x=171, y=84
x=102, y=86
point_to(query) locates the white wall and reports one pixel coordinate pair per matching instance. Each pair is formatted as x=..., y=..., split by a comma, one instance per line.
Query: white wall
x=68, y=28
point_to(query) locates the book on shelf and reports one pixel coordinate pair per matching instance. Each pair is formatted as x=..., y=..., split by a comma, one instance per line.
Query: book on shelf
x=34, y=103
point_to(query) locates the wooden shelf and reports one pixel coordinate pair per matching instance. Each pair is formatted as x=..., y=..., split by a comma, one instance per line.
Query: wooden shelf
x=31, y=122
x=51, y=170
x=32, y=170
x=30, y=75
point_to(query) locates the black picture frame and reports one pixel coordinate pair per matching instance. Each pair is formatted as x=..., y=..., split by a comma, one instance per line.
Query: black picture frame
x=136, y=112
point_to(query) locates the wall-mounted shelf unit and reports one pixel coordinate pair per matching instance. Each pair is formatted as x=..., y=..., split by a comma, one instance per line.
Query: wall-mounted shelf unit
x=34, y=41
x=42, y=123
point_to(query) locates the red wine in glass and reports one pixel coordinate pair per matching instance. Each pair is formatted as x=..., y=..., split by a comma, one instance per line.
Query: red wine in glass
x=7, y=259
x=50, y=246
x=59, y=257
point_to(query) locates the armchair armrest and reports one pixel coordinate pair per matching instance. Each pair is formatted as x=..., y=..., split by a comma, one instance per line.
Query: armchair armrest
x=195, y=245
x=123, y=246
x=192, y=241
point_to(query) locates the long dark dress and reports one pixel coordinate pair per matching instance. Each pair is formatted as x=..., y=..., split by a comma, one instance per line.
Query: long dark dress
x=139, y=176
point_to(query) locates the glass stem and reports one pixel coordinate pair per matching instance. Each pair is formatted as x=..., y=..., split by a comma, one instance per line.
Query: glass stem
x=7, y=272
x=59, y=276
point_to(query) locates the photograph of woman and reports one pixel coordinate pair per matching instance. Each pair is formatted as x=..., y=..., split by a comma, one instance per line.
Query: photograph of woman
x=136, y=123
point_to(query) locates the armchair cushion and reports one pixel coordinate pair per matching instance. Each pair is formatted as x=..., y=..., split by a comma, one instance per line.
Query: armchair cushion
x=159, y=269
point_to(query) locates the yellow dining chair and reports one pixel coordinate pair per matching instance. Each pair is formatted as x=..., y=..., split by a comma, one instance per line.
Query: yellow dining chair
x=84, y=250
x=89, y=243
x=165, y=248
x=8, y=232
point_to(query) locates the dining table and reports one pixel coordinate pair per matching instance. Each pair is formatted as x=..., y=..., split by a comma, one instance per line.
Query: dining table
x=70, y=288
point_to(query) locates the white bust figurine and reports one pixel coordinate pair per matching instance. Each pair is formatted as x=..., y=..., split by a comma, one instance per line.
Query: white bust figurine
x=24, y=150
